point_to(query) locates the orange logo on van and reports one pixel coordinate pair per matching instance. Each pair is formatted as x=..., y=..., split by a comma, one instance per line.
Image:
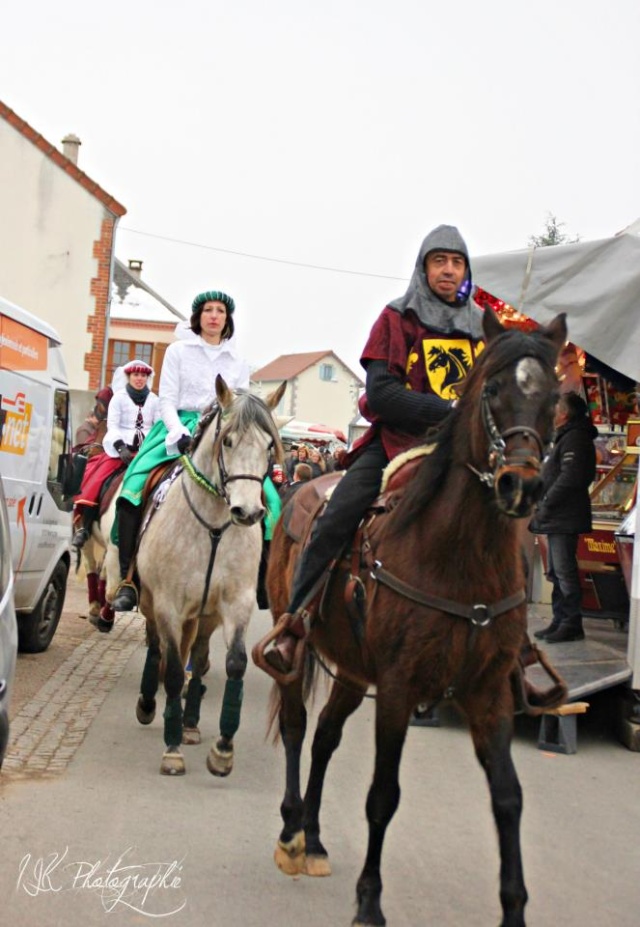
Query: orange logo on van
x=20, y=347
x=15, y=418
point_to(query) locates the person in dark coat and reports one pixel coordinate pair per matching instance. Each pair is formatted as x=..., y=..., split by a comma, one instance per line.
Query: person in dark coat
x=565, y=512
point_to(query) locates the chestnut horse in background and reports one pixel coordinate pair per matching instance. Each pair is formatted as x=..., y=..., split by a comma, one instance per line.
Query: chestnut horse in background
x=91, y=554
x=443, y=609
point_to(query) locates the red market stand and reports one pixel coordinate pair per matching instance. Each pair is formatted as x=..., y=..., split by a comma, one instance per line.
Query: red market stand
x=597, y=284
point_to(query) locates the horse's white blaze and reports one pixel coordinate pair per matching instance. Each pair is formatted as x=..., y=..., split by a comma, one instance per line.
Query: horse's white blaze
x=530, y=376
x=249, y=456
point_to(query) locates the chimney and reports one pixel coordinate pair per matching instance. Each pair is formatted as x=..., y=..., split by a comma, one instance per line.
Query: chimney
x=135, y=268
x=70, y=145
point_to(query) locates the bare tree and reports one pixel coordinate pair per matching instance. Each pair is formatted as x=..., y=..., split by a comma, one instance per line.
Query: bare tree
x=553, y=234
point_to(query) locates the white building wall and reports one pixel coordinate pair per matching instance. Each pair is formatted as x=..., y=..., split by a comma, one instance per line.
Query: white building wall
x=49, y=223
x=330, y=402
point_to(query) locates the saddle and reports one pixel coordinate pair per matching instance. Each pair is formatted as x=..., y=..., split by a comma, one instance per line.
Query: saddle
x=152, y=493
x=109, y=489
x=308, y=504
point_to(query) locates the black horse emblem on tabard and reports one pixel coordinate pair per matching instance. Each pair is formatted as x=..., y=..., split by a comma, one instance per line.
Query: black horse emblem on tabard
x=447, y=367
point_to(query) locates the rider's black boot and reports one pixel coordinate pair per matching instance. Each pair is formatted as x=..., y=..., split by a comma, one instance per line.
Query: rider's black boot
x=129, y=518
x=83, y=533
x=313, y=563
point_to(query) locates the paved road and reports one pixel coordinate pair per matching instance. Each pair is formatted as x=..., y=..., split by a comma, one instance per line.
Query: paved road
x=81, y=790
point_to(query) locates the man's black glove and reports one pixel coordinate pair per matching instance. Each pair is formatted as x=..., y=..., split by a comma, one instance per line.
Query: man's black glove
x=184, y=444
x=125, y=455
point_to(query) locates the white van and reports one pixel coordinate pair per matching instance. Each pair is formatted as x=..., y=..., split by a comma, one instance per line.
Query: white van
x=35, y=452
x=8, y=627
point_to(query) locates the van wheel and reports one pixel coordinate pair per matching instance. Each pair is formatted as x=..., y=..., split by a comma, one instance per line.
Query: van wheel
x=36, y=629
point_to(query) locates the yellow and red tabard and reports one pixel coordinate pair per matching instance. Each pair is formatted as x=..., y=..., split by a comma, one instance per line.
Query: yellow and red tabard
x=445, y=360
x=427, y=361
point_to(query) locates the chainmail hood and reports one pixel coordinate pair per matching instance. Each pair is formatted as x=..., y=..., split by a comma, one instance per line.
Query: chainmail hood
x=463, y=315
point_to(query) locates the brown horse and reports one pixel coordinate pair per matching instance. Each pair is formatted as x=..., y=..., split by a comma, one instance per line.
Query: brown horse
x=440, y=581
x=91, y=555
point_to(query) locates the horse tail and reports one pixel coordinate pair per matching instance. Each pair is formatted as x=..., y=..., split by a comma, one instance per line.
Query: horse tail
x=308, y=681
x=273, y=711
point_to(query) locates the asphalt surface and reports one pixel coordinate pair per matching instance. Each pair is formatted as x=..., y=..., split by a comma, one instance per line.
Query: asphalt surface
x=81, y=800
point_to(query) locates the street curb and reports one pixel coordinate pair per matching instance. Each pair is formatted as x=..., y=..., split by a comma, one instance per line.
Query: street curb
x=48, y=730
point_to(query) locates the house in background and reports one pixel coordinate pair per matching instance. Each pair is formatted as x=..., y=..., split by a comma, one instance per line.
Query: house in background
x=57, y=261
x=56, y=243
x=320, y=387
x=141, y=322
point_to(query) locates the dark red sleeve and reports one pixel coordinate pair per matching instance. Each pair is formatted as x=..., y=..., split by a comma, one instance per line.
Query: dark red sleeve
x=388, y=341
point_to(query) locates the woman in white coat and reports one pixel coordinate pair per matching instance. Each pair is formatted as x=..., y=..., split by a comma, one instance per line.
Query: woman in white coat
x=187, y=386
x=133, y=410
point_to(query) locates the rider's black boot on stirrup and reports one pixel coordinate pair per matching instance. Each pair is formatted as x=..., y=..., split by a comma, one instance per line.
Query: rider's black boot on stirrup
x=126, y=598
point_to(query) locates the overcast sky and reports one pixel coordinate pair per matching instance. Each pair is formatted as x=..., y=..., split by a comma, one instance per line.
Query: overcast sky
x=246, y=137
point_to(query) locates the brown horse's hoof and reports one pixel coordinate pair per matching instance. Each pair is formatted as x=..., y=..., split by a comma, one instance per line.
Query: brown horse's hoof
x=220, y=760
x=172, y=764
x=191, y=735
x=290, y=857
x=317, y=866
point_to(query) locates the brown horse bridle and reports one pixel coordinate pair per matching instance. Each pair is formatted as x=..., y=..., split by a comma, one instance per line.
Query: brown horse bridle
x=497, y=458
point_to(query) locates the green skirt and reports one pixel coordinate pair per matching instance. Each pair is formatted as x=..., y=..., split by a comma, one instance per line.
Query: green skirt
x=152, y=453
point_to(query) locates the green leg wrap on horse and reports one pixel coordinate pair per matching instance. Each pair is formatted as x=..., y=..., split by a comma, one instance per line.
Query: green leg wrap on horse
x=231, y=705
x=173, y=722
x=150, y=675
x=195, y=691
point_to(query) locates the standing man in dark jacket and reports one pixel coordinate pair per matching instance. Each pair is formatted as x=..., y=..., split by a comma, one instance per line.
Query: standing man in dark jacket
x=565, y=512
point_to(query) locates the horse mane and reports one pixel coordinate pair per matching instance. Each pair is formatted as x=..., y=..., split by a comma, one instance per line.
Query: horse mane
x=245, y=411
x=506, y=349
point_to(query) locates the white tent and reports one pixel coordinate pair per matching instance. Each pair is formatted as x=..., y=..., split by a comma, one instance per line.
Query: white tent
x=312, y=433
x=597, y=283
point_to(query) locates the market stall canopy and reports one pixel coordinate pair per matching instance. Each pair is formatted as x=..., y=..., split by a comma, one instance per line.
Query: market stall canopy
x=314, y=433
x=597, y=283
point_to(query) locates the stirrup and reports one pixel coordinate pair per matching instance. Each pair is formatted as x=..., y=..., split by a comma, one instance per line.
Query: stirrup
x=80, y=538
x=124, y=585
x=528, y=698
x=259, y=656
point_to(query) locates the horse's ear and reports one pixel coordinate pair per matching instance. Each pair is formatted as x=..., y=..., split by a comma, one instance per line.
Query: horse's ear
x=491, y=324
x=224, y=394
x=274, y=398
x=557, y=331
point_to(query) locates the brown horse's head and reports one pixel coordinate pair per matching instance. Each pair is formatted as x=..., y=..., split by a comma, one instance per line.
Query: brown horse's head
x=513, y=390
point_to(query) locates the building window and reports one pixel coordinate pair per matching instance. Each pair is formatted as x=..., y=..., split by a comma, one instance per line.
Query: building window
x=121, y=352
x=328, y=372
